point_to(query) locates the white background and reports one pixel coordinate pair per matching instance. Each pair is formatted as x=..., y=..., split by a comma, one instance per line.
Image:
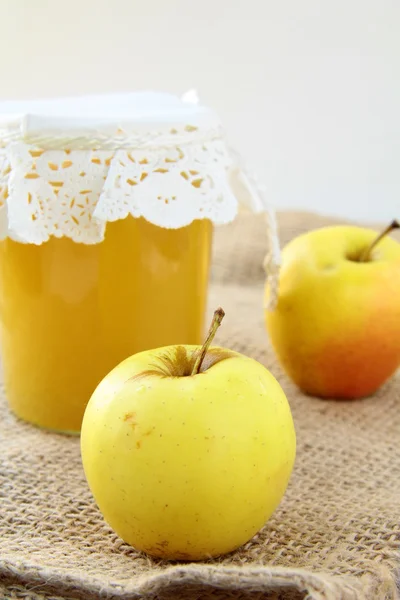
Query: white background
x=309, y=90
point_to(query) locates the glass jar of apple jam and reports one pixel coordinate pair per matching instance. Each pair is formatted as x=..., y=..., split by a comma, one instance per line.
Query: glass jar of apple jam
x=107, y=206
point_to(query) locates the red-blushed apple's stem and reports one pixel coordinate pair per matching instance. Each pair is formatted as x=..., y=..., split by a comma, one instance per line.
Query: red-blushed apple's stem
x=215, y=323
x=366, y=254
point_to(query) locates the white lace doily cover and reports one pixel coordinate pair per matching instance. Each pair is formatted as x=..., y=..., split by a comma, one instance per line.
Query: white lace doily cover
x=68, y=166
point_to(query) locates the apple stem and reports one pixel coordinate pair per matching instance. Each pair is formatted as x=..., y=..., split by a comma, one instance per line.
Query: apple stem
x=366, y=254
x=215, y=323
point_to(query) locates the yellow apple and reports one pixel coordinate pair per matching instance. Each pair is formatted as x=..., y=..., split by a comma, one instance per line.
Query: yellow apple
x=188, y=450
x=336, y=328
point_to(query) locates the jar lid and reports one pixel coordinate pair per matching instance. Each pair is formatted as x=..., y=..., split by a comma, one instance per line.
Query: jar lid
x=68, y=166
x=108, y=121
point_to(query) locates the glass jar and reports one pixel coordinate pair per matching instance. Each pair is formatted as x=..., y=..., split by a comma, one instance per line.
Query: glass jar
x=107, y=212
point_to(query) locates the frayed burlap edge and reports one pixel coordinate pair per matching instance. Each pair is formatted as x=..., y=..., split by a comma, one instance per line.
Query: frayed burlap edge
x=313, y=586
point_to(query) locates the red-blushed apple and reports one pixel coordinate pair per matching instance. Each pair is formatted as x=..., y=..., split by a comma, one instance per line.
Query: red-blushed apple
x=336, y=327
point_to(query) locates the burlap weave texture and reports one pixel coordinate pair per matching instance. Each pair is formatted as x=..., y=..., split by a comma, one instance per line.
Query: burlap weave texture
x=335, y=536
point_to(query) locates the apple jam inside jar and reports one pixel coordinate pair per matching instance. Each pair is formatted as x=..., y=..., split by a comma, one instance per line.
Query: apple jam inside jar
x=71, y=312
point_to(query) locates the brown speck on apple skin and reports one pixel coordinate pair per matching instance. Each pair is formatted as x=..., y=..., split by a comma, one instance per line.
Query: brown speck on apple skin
x=130, y=418
x=138, y=444
x=182, y=556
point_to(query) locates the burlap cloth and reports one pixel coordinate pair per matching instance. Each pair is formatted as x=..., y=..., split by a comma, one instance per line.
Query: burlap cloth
x=335, y=536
